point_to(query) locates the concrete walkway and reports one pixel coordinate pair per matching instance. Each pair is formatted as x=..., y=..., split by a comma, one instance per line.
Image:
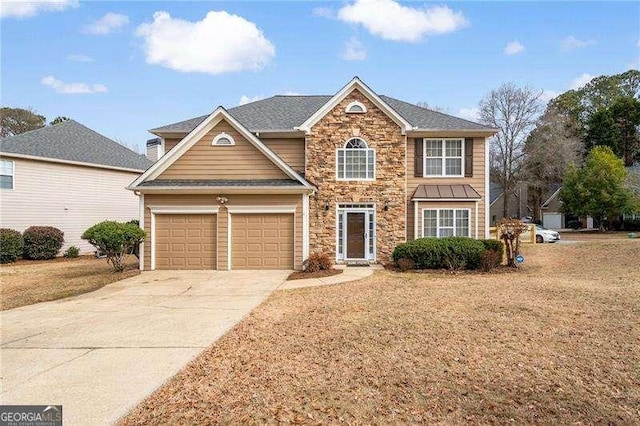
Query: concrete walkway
x=351, y=273
x=101, y=353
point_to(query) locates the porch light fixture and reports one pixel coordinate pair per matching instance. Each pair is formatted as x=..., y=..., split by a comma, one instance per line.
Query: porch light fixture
x=222, y=200
x=385, y=207
x=326, y=207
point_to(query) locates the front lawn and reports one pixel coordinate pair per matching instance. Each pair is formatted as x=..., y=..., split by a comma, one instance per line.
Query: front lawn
x=556, y=343
x=27, y=282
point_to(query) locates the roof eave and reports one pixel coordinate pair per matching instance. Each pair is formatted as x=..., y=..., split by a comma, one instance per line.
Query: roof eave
x=298, y=189
x=452, y=132
x=70, y=162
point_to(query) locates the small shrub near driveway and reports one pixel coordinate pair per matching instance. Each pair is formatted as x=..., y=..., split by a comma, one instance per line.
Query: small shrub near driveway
x=451, y=253
x=72, y=252
x=42, y=242
x=317, y=262
x=115, y=239
x=11, y=245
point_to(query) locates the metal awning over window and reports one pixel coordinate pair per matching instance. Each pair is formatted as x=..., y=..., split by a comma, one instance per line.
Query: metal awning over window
x=445, y=192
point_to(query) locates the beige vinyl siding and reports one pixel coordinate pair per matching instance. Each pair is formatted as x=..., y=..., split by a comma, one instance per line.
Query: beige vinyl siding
x=71, y=198
x=290, y=150
x=180, y=200
x=170, y=143
x=239, y=161
x=477, y=182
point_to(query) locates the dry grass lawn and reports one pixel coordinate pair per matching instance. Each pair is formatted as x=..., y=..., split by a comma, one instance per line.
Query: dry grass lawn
x=556, y=343
x=28, y=282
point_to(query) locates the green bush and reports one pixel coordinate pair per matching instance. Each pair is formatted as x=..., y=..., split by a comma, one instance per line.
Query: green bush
x=437, y=253
x=11, y=245
x=72, y=252
x=115, y=240
x=42, y=242
x=490, y=260
x=494, y=245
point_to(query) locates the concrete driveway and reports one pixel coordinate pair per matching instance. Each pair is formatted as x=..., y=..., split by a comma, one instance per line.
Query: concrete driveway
x=101, y=353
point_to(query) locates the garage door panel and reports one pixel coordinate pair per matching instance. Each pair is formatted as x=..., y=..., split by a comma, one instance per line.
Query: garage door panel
x=262, y=241
x=185, y=241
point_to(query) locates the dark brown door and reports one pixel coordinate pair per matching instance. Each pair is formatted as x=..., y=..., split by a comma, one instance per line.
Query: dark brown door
x=355, y=235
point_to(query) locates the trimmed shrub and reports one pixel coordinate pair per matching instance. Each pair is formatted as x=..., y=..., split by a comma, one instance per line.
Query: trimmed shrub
x=405, y=265
x=490, y=260
x=42, y=242
x=574, y=224
x=494, y=245
x=436, y=253
x=72, y=252
x=11, y=245
x=317, y=262
x=115, y=239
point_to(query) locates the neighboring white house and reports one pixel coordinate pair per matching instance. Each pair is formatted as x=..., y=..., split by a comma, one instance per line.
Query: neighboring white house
x=67, y=176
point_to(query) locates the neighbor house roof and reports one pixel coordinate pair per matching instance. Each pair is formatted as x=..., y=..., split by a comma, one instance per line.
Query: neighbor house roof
x=495, y=191
x=437, y=192
x=72, y=142
x=285, y=113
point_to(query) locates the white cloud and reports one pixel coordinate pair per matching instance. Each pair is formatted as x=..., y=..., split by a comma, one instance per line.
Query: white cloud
x=513, y=48
x=78, y=57
x=547, y=95
x=60, y=86
x=244, y=99
x=323, y=12
x=107, y=24
x=353, y=50
x=580, y=81
x=27, y=9
x=197, y=46
x=392, y=21
x=570, y=43
x=472, y=114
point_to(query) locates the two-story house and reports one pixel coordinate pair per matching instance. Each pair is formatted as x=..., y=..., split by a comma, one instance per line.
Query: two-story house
x=264, y=184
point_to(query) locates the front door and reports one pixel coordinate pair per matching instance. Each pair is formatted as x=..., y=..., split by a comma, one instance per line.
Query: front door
x=356, y=235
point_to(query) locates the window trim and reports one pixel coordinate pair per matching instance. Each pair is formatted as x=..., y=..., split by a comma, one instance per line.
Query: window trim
x=343, y=150
x=13, y=175
x=444, y=158
x=223, y=135
x=353, y=104
x=437, y=210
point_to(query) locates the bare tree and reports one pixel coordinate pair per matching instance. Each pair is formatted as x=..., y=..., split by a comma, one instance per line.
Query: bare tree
x=18, y=120
x=513, y=111
x=549, y=149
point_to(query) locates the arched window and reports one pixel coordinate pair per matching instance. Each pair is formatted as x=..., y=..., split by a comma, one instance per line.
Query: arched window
x=356, y=161
x=223, y=139
x=356, y=107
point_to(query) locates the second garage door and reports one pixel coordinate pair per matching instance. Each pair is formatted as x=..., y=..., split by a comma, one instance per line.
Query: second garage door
x=262, y=241
x=185, y=241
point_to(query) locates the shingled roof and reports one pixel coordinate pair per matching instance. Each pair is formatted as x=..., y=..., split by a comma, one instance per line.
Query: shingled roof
x=71, y=141
x=284, y=113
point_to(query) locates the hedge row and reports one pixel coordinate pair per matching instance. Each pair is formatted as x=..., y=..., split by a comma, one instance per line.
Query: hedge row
x=447, y=253
x=37, y=242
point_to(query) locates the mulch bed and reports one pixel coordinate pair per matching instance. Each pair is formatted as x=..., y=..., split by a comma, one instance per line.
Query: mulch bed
x=300, y=275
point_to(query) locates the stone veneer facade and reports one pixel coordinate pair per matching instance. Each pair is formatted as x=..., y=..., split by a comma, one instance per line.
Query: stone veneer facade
x=383, y=134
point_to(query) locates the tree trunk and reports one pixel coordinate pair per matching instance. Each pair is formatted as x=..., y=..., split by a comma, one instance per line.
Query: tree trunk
x=506, y=197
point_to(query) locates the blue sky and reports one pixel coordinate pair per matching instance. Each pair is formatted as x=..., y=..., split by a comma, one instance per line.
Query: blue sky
x=122, y=68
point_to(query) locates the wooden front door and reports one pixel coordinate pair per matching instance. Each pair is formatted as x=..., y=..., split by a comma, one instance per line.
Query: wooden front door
x=356, y=235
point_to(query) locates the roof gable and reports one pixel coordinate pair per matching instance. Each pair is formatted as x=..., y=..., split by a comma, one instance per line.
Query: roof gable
x=355, y=84
x=216, y=117
x=71, y=142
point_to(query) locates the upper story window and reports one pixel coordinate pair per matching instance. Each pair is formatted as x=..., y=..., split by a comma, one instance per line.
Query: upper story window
x=356, y=161
x=6, y=174
x=223, y=139
x=443, y=157
x=356, y=107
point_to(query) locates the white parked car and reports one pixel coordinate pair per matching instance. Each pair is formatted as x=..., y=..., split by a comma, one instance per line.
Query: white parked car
x=544, y=235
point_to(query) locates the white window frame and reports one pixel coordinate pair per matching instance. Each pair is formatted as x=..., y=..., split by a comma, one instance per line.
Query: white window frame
x=223, y=135
x=13, y=175
x=342, y=152
x=349, y=108
x=371, y=221
x=443, y=142
x=455, y=214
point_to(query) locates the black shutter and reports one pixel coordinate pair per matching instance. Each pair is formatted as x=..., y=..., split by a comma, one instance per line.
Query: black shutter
x=468, y=157
x=418, y=157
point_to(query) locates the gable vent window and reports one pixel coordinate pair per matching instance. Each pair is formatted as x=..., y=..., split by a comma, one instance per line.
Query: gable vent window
x=356, y=107
x=223, y=139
